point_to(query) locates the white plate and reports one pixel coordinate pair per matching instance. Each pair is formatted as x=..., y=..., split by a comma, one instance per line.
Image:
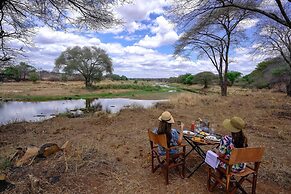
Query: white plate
x=186, y=132
x=211, y=138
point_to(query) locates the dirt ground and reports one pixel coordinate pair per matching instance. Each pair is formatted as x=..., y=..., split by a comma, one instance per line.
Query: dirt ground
x=110, y=153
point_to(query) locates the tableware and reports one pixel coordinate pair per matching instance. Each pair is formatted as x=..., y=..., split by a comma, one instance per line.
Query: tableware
x=212, y=138
x=190, y=133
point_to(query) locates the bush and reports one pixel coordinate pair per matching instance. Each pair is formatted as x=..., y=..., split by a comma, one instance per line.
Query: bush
x=189, y=80
x=64, y=78
x=33, y=76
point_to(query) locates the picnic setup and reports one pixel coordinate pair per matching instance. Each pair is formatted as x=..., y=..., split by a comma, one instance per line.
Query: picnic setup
x=229, y=170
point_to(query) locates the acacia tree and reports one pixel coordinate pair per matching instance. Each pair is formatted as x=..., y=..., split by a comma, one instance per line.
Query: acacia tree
x=18, y=18
x=232, y=76
x=275, y=10
x=277, y=39
x=213, y=34
x=24, y=70
x=90, y=62
x=205, y=78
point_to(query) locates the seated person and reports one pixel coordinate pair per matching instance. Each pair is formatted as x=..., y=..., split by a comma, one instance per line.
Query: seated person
x=165, y=127
x=237, y=139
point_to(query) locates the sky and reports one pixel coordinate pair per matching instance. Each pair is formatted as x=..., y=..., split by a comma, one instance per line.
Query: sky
x=141, y=48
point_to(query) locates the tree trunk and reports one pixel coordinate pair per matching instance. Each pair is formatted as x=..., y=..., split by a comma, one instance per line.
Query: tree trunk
x=87, y=82
x=223, y=87
x=205, y=84
x=288, y=88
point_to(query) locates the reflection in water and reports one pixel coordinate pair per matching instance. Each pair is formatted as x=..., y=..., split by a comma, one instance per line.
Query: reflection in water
x=37, y=111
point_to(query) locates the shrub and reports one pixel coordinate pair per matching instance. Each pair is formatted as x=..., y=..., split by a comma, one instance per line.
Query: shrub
x=64, y=78
x=33, y=76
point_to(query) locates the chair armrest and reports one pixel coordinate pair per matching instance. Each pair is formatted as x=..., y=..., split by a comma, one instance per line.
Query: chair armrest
x=181, y=145
x=223, y=160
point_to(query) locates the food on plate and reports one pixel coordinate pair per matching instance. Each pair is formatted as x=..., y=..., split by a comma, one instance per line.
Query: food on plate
x=198, y=139
x=211, y=138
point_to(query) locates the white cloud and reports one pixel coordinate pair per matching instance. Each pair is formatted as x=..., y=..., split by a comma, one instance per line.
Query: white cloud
x=245, y=59
x=134, y=26
x=139, y=59
x=132, y=61
x=162, y=26
x=164, y=34
x=247, y=23
x=133, y=13
x=141, y=9
x=158, y=40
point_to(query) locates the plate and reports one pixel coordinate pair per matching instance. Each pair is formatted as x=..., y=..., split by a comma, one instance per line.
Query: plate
x=212, y=138
x=190, y=133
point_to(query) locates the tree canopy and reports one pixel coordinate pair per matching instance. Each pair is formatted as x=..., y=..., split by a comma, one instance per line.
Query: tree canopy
x=90, y=62
x=212, y=36
x=278, y=10
x=232, y=76
x=18, y=19
x=205, y=78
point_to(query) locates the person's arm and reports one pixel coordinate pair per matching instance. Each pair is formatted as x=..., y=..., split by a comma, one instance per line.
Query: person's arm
x=180, y=138
x=221, y=151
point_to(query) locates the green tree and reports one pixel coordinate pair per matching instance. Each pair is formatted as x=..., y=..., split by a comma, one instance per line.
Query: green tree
x=182, y=78
x=115, y=77
x=33, y=76
x=64, y=77
x=232, y=76
x=276, y=39
x=90, y=62
x=188, y=80
x=212, y=34
x=25, y=69
x=12, y=73
x=205, y=78
x=123, y=77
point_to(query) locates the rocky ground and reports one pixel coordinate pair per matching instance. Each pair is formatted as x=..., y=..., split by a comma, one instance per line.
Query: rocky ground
x=110, y=153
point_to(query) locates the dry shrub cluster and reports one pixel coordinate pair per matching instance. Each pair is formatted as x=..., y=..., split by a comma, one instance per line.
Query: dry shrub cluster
x=191, y=100
x=183, y=99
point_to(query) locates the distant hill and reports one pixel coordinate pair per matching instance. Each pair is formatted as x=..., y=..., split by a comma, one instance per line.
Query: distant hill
x=271, y=73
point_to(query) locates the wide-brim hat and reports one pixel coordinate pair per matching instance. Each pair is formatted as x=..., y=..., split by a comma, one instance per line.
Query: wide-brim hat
x=235, y=124
x=166, y=116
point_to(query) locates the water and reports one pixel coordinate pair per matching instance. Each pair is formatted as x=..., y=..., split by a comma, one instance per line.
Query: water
x=14, y=111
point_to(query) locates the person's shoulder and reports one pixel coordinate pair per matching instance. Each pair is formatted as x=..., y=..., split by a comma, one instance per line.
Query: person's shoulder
x=227, y=138
x=155, y=130
x=174, y=130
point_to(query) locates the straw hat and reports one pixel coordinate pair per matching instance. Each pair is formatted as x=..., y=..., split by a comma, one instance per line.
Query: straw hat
x=166, y=116
x=235, y=124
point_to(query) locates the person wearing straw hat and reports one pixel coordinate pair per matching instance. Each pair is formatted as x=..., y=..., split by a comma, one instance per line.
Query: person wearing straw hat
x=165, y=127
x=237, y=139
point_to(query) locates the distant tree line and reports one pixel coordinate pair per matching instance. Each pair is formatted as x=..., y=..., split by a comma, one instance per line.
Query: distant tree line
x=270, y=73
x=205, y=78
x=20, y=72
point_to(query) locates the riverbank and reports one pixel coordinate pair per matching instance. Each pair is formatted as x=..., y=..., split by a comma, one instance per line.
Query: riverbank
x=109, y=153
x=45, y=90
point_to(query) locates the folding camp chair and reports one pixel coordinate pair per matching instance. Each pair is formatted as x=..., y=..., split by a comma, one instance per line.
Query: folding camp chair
x=165, y=161
x=231, y=180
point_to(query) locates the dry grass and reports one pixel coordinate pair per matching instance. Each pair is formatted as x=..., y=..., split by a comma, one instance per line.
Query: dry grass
x=110, y=154
x=47, y=88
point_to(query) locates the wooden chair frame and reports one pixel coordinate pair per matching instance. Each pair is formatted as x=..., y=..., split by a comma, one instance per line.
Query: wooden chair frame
x=231, y=180
x=169, y=160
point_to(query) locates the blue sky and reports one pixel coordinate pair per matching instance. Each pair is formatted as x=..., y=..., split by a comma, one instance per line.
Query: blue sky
x=142, y=47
